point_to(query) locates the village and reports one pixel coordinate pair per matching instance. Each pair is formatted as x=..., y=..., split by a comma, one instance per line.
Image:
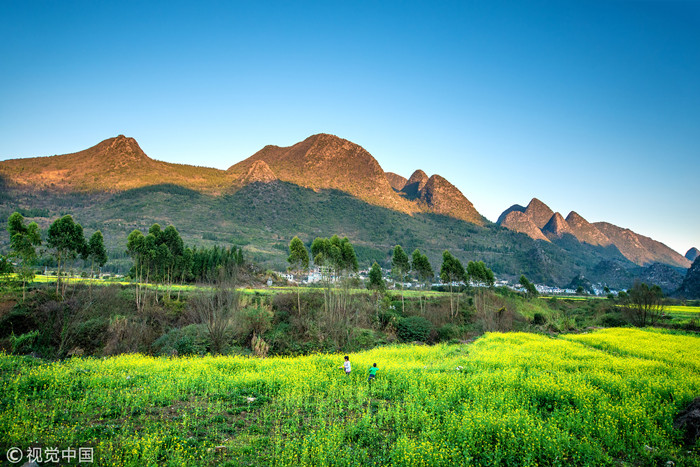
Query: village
x=317, y=275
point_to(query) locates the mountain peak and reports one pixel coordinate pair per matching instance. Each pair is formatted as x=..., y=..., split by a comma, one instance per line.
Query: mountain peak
x=575, y=218
x=690, y=288
x=259, y=172
x=692, y=254
x=123, y=147
x=539, y=212
x=114, y=164
x=557, y=226
x=442, y=197
x=518, y=221
x=513, y=208
x=415, y=184
x=325, y=161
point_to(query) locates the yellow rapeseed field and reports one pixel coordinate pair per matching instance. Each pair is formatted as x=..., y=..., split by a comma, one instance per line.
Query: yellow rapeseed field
x=603, y=398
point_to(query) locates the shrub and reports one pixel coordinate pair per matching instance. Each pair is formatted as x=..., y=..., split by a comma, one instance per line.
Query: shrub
x=612, y=320
x=362, y=339
x=539, y=319
x=190, y=340
x=449, y=332
x=23, y=344
x=257, y=319
x=90, y=334
x=414, y=328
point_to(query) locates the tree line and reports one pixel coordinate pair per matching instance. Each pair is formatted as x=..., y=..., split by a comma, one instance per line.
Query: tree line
x=65, y=241
x=159, y=256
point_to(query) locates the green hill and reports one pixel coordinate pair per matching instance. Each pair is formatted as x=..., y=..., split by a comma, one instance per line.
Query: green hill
x=263, y=217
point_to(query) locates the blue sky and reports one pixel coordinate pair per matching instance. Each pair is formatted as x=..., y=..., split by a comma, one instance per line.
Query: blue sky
x=592, y=106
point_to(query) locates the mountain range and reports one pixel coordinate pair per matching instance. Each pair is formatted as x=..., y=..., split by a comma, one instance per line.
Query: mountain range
x=320, y=186
x=539, y=222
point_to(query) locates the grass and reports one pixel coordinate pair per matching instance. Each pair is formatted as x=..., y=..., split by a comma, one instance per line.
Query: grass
x=604, y=398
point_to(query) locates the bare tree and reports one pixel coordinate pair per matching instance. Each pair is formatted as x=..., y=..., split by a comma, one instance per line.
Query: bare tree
x=217, y=309
x=493, y=312
x=644, y=304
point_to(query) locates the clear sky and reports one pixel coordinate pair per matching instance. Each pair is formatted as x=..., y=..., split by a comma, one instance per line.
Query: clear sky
x=592, y=106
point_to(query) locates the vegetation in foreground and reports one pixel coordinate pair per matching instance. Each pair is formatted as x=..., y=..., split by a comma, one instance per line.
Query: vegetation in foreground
x=604, y=398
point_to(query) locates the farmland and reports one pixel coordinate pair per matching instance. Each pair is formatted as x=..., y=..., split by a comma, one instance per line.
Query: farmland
x=507, y=399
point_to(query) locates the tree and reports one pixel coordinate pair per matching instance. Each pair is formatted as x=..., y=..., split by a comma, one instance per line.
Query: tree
x=644, y=304
x=23, y=241
x=97, y=253
x=170, y=238
x=529, y=287
x=298, y=262
x=298, y=255
x=375, y=279
x=479, y=273
x=135, y=247
x=400, y=267
x=336, y=258
x=66, y=238
x=451, y=272
x=160, y=257
x=183, y=266
x=420, y=265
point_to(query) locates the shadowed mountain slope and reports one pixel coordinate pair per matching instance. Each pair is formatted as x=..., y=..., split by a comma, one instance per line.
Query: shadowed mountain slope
x=415, y=184
x=518, y=221
x=690, y=288
x=557, y=227
x=396, y=181
x=539, y=212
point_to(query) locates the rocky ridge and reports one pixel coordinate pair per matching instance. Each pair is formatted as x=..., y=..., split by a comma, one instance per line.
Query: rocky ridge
x=584, y=231
x=637, y=248
x=557, y=227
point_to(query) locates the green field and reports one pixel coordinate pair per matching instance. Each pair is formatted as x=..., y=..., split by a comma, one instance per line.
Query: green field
x=605, y=398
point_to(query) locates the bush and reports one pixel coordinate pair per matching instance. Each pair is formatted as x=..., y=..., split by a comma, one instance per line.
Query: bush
x=190, y=340
x=449, y=332
x=539, y=319
x=361, y=339
x=612, y=320
x=414, y=328
x=90, y=334
x=23, y=344
x=257, y=319
x=18, y=321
